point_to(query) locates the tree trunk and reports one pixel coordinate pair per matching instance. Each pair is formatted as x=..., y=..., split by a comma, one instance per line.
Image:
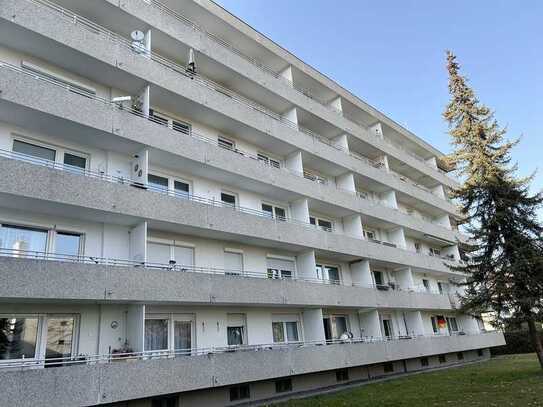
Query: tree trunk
x=536, y=341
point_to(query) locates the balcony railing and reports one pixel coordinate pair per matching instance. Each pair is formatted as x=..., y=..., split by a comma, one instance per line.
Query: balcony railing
x=176, y=194
x=112, y=36
x=177, y=129
x=180, y=268
x=226, y=44
x=90, y=359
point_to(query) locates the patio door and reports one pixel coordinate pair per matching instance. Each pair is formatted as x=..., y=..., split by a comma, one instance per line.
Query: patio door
x=183, y=331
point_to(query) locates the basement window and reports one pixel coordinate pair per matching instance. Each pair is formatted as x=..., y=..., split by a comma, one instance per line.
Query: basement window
x=388, y=367
x=442, y=359
x=460, y=355
x=283, y=385
x=241, y=392
x=424, y=362
x=342, y=375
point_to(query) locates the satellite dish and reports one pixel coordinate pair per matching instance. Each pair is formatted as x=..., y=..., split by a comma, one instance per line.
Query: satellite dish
x=137, y=35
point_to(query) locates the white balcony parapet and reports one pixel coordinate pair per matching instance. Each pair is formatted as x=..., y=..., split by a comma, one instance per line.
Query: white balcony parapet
x=181, y=268
x=185, y=196
x=306, y=174
x=222, y=42
x=91, y=359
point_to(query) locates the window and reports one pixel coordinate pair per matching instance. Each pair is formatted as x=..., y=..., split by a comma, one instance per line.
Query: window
x=169, y=332
x=236, y=329
x=274, y=211
x=283, y=385
x=22, y=239
x=225, y=143
x=370, y=234
x=158, y=117
x=480, y=353
x=157, y=183
x=233, y=263
x=335, y=326
x=434, y=325
x=452, y=325
x=388, y=367
x=181, y=127
x=68, y=244
x=435, y=252
x=60, y=337
x=228, y=199
x=241, y=392
x=328, y=274
x=379, y=278
x=34, y=150
x=443, y=287
x=156, y=333
x=460, y=356
x=387, y=327
x=323, y=224
x=442, y=359
x=162, y=253
x=426, y=285
x=75, y=161
x=263, y=158
x=18, y=337
x=285, y=331
x=342, y=375
x=167, y=401
x=424, y=362
x=418, y=247
x=279, y=268
x=181, y=188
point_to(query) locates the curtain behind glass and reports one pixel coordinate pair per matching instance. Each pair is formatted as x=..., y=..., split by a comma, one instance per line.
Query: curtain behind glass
x=156, y=334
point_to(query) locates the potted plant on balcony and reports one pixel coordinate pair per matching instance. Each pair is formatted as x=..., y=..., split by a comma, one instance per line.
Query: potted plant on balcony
x=124, y=353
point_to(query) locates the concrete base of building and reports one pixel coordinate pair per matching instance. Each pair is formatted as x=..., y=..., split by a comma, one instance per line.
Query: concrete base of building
x=301, y=386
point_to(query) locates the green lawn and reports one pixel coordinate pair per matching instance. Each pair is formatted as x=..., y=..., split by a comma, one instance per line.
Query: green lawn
x=505, y=381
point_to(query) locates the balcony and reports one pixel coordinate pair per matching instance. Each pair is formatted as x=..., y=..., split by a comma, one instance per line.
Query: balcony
x=92, y=379
x=119, y=45
x=46, y=276
x=102, y=115
x=179, y=26
x=104, y=195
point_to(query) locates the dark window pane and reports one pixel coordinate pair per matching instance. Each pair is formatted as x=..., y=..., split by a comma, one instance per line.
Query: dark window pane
x=342, y=375
x=157, y=182
x=240, y=392
x=268, y=209
x=228, y=198
x=34, y=150
x=181, y=127
x=312, y=220
x=325, y=224
x=424, y=362
x=181, y=187
x=224, y=143
x=278, y=332
x=235, y=335
x=280, y=213
x=389, y=367
x=283, y=385
x=75, y=161
x=18, y=338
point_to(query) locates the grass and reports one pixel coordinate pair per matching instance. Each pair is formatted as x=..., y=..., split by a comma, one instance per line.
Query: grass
x=505, y=381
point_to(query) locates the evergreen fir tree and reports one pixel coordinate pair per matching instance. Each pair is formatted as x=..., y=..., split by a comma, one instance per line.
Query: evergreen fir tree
x=504, y=265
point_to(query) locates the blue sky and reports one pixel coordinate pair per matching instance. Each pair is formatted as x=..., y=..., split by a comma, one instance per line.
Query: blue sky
x=392, y=55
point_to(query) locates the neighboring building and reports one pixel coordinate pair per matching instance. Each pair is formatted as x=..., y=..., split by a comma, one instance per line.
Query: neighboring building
x=195, y=196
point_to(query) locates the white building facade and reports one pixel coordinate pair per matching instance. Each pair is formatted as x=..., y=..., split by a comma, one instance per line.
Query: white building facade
x=190, y=215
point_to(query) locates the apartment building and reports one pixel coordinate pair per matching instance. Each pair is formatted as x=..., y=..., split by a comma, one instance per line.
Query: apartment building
x=190, y=215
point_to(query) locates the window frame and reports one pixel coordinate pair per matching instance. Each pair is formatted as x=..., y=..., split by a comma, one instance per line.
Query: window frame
x=273, y=213
x=171, y=317
x=325, y=275
x=283, y=385
x=51, y=232
x=60, y=151
x=315, y=219
x=283, y=319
